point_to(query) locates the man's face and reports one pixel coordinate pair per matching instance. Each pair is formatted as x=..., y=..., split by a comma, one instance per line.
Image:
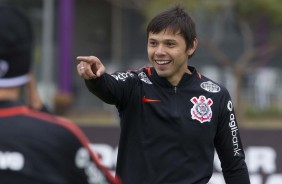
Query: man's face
x=168, y=55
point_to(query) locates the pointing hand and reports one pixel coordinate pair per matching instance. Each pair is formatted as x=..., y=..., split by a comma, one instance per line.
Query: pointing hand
x=90, y=67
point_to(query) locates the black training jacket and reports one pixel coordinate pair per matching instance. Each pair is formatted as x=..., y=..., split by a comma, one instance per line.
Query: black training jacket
x=39, y=148
x=169, y=133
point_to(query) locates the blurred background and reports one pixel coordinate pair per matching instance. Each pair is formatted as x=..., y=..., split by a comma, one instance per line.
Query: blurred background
x=240, y=47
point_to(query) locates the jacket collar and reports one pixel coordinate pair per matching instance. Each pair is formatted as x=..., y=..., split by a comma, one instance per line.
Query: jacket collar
x=185, y=80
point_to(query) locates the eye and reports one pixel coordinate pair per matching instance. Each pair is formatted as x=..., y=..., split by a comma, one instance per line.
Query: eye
x=170, y=44
x=152, y=43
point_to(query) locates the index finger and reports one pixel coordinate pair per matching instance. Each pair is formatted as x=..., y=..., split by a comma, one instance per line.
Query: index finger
x=87, y=59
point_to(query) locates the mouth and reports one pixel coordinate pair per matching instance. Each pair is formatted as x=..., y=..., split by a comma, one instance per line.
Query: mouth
x=163, y=62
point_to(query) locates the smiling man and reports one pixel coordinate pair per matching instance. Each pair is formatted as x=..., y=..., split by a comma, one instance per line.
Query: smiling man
x=172, y=118
x=168, y=54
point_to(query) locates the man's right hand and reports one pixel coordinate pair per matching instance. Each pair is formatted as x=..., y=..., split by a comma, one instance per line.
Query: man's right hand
x=90, y=67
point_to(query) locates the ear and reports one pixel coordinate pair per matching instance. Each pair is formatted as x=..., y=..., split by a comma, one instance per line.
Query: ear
x=191, y=50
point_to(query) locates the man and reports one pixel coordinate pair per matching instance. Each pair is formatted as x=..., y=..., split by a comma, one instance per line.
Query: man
x=172, y=117
x=36, y=147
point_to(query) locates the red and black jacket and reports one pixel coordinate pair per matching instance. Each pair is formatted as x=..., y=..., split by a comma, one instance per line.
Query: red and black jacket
x=169, y=134
x=37, y=147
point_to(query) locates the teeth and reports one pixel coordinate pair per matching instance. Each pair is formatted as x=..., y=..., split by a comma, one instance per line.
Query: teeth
x=162, y=62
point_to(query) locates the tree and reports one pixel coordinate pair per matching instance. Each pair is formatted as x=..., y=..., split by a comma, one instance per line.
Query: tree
x=249, y=17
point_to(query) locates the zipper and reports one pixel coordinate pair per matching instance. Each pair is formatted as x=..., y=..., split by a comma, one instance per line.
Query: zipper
x=175, y=105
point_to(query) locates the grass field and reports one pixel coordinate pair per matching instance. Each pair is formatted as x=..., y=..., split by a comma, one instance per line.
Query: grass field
x=110, y=118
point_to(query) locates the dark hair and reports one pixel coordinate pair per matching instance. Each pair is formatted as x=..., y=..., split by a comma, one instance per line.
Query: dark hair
x=176, y=19
x=15, y=47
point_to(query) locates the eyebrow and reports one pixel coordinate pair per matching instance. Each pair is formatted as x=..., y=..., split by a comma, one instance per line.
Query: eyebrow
x=166, y=40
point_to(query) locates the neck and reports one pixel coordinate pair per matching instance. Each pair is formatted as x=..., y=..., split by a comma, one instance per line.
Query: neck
x=9, y=93
x=176, y=79
x=189, y=71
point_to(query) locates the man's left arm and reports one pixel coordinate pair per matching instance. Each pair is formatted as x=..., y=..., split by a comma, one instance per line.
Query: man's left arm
x=228, y=144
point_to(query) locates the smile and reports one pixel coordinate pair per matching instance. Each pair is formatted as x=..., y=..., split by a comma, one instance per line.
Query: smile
x=163, y=62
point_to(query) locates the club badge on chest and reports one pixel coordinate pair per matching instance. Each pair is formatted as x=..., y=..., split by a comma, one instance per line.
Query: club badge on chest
x=201, y=110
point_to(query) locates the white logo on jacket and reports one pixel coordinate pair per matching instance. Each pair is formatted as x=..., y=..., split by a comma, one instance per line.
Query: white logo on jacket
x=201, y=110
x=83, y=161
x=210, y=87
x=11, y=161
x=143, y=77
x=229, y=105
x=234, y=130
x=122, y=75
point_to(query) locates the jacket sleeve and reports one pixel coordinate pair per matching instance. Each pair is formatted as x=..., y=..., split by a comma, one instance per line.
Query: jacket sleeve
x=113, y=89
x=228, y=144
x=86, y=167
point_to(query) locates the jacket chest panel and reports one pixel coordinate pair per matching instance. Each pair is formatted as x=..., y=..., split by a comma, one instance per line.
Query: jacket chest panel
x=172, y=115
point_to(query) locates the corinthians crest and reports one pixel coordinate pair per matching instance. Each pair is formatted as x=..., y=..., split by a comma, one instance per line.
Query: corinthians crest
x=201, y=110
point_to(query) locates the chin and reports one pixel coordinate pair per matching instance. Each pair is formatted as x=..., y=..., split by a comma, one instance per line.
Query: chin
x=162, y=73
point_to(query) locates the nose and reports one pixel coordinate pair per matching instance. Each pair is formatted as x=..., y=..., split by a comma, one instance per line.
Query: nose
x=160, y=50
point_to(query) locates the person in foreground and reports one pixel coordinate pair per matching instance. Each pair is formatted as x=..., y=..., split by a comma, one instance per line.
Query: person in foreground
x=35, y=146
x=172, y=117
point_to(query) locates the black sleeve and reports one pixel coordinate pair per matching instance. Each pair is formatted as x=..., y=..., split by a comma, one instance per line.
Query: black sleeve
x=228, y=144
x=100, y=89
x=113, y=89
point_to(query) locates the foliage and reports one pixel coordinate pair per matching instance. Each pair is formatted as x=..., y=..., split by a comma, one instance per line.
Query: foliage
x=154, y=6
x=273, y=112
x=250, y=10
